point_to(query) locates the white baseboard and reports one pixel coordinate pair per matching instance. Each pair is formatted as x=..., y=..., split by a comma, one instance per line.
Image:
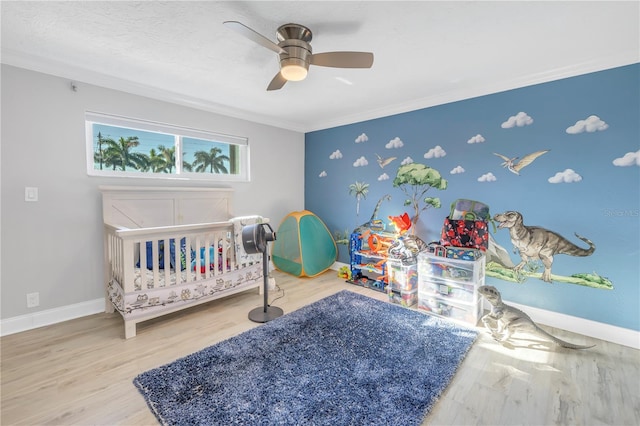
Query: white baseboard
x=610, y=333
x=53, y=316
x=337, y=265
x=598, y=330
x=50, y=316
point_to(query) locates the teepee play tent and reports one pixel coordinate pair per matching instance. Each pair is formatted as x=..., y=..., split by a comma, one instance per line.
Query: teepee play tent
x=304, y=246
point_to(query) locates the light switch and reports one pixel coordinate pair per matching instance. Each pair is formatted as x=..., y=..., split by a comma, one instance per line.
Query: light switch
x=30, y=193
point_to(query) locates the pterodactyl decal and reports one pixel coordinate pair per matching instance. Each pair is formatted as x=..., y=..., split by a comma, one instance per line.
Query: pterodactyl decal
x=514, y=167
x=384, y=161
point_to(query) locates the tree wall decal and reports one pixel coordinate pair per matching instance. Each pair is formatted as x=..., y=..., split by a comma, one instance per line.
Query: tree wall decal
x=415, y=180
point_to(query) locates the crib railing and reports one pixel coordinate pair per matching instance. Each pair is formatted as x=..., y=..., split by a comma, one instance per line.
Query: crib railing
x=189, y=253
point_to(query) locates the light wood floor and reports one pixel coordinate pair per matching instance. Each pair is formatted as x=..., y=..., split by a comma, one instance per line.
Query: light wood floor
x=80, y=372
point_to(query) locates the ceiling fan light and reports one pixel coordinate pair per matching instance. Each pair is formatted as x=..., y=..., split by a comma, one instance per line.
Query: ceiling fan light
x=293, y=69
x=294, y=72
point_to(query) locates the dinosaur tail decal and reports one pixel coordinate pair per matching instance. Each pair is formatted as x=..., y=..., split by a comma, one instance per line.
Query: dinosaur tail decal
x=573, y=250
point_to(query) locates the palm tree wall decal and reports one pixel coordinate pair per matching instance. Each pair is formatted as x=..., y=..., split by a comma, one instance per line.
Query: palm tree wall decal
x=360, y=191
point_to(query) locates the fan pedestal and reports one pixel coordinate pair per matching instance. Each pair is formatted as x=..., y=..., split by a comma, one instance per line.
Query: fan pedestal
x=254, y=240
x=262, y=315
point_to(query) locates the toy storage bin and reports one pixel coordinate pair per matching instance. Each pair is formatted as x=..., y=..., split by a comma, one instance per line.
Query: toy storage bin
x=449, y=309
x=404, y=298
x=402, y=277
x=457, y=270
x=448, y=290
x=448, y=287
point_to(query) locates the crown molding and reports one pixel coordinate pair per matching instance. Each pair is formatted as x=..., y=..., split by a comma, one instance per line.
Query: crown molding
x=79, y=74
x=594, y=65
x=46, y=66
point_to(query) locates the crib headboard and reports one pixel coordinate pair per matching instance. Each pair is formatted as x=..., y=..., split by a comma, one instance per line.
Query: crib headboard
x=144, y=207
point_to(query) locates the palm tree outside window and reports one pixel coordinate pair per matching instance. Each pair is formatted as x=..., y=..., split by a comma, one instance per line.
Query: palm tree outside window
x=118, y=146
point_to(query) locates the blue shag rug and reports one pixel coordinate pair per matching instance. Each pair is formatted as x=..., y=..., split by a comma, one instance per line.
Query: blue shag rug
x=347, y=359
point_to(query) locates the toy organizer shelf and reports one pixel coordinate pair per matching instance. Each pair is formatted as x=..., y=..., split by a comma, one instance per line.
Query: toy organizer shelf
x=368, y=267
x=447, y=287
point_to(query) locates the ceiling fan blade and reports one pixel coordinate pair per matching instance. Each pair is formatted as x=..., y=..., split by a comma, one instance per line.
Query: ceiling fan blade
x=343, y=59
x=277, y=82
x=254, y=36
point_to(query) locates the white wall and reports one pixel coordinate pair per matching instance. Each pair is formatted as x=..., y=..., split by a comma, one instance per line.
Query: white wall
x=54, y=246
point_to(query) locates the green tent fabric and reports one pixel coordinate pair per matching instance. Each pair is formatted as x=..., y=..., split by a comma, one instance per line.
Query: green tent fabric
x=304, y=247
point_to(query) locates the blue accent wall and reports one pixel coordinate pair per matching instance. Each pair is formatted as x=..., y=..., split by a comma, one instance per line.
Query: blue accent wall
x=588, y=183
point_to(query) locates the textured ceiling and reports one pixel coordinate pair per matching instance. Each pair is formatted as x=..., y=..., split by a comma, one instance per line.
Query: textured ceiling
x=426, y=52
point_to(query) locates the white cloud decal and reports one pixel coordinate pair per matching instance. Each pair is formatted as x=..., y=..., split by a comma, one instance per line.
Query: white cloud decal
x=476, y=139
x=335, y=155
x=362, y=138
x=323, y=174
x=456, y=170
x=629, y=159
x=407, y=160
x=487, y=177
x=591, y=124
x=394, y=143
x=360, y=162
x=383, y=176
x=568, y=176
x=519, y=120
x=436, y=152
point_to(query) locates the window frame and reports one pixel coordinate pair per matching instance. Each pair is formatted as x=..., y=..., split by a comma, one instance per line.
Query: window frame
x=178, y=133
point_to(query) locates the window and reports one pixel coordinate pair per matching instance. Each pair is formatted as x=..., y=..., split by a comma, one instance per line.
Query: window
x=119, y=146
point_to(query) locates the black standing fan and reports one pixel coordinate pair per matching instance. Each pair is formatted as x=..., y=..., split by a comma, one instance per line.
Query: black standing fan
x=254, y=240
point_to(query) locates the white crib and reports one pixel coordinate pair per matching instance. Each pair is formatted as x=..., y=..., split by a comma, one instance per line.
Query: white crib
x=167, y=249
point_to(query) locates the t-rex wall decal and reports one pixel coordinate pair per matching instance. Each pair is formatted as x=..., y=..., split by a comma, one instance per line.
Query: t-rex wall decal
x=536, y=243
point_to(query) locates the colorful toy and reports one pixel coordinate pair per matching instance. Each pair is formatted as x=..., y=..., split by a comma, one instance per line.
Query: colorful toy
x=379, y=244
x=463, y=253
x=212, y=260
x=402, y=277
x=437, y=249
x=344, y=272
x=401, y=223
x=448, y=271
x=404, y=298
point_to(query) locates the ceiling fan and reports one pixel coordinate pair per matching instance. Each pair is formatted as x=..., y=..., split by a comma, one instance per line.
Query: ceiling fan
x=296, y=54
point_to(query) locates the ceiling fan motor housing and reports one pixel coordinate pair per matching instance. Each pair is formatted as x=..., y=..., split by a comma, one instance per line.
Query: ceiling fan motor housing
x=295, y=32
x=294, y=39
x=298, y=53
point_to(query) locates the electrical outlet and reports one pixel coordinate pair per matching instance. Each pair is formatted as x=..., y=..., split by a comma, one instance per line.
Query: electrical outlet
x=31, y=193
x=33, y=300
